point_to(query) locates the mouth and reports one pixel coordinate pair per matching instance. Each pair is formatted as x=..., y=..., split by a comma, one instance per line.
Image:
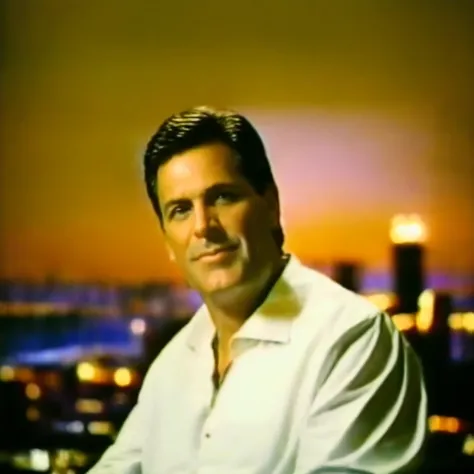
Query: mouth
x=217, y=254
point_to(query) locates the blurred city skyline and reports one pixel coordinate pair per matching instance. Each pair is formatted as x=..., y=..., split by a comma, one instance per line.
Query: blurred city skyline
x=366, y=111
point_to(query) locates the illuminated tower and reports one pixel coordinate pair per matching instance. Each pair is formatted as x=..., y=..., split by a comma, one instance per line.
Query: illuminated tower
x=408, y=236
x=347, y=274
x=434, y=310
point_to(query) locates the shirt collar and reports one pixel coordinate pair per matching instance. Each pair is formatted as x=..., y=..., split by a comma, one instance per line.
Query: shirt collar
x=271, y=322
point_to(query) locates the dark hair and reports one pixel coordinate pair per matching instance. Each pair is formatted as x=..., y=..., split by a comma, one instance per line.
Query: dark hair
x=203, y=125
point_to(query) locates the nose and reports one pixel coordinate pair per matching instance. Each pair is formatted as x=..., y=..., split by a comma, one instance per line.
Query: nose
x=204, y=221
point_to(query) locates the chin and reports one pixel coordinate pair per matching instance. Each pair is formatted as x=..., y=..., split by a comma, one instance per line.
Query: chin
x=221, y=281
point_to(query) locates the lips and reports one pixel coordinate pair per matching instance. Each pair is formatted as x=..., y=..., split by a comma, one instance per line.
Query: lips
x=216, y=254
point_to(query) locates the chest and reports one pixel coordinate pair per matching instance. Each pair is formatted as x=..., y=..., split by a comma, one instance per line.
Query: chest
x=252, y=420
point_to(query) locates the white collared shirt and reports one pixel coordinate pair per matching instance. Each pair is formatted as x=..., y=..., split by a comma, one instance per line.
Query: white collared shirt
x=320, y=380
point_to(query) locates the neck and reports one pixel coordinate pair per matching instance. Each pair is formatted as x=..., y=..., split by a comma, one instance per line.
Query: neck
x=230, y=311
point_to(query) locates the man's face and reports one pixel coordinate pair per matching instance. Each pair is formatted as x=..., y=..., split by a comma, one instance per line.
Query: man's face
x=217, y=228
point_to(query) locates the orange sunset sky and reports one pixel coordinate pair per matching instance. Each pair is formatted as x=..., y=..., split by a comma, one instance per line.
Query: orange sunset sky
x=367, y=109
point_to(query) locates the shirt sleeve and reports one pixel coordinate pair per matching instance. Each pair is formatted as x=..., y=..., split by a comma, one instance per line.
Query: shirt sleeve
x=125, y=455
x=369, y=413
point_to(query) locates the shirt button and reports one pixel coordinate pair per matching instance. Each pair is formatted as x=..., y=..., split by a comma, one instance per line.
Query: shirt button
x=207, y=435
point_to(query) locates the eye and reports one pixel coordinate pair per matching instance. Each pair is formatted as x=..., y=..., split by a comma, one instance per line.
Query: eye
x=179, y=212
x=225, y=197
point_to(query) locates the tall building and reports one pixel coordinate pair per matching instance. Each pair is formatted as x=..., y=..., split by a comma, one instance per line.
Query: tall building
x=433, y=341
x=347, y=274
x=408, y=236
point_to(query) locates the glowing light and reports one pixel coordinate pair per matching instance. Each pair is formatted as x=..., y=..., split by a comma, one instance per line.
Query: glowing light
x=138, y=326
x=86, y=371
x=62, y=460
x=452, y=425
x=45, y=309
x=425, y=315
x=75, y=427
x=100, y=428
x=32, y=414
x=468, y=322
x=404, y=322
x=7, y=374
x=407, y=229
x=445, y=424
x=123, y=377
x=32, y=391
x=383, y=301
x=39, y=460
x=85, y=405
x=455, y=321
x=461, y=322
x=52, y=380
x=24, y=375
x=468, y=446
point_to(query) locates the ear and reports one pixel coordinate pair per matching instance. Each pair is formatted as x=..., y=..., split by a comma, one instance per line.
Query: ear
x=170, y=252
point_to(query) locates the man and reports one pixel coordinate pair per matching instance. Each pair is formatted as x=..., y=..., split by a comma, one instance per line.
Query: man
x=281, y=371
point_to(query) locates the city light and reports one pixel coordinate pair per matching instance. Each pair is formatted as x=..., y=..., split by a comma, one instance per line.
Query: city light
x=32, y=414
x=383, y=301
x=35, y=460
x=86, y=372
x=444, y=424
x=62, y=461
x=423, y=319
x=89, y=405
x=123, y=377
x=70, y=427
x=39, y=460
x=404, y=322
x=456, y=322
x=407, y=229
x=468, y=322
x=468, y=446
x=138, y=326
x=425, y=314
x=32, y=391
x=7, y=373
x=461, y=322
x=20, y=374
x=100, y=428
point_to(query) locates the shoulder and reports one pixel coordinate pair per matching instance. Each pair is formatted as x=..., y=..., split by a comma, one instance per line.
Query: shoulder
x=330, y=308
x=340, y=327
x=170, y=355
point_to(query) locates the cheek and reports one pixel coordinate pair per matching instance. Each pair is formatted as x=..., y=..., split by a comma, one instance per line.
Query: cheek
x=176, y=242
x=251, y=223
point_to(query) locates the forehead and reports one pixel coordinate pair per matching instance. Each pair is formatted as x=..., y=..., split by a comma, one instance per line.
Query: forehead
x=190, y=173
